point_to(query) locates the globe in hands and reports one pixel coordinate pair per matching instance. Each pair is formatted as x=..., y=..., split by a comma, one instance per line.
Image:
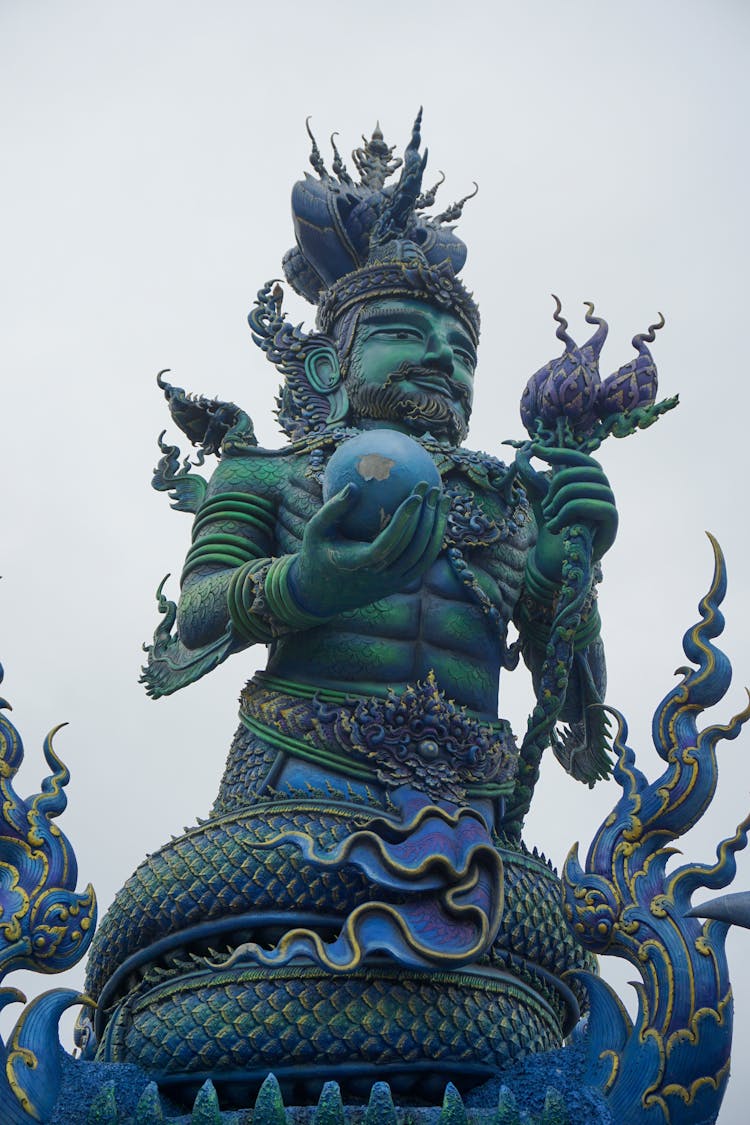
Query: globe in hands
x=386, y=466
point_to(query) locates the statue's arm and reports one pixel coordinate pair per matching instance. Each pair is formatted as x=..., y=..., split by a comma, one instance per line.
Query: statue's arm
x=533, y=617
x=581, y=743
x=233, y=536
x=234, y=528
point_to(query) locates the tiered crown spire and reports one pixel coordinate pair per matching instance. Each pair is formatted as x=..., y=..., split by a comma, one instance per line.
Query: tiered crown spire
x=368, y=240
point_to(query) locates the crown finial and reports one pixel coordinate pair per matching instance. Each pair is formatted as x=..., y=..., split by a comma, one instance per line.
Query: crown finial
x=339, y=168
x=456, y=210
x=375, y=162
x=315, y=158
x=399, y=207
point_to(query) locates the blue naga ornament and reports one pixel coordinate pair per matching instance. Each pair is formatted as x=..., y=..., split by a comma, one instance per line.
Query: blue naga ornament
x=45, y=926
x=672, y=1063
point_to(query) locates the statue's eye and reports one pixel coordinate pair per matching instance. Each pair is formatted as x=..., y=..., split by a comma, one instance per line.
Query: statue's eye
x=398, y=333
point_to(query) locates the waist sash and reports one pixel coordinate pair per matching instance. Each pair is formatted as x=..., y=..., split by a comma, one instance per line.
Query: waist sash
x=417, y=737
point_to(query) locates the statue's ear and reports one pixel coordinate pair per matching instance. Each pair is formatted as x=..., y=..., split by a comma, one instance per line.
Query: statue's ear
x=323, y=372
x=323, y=369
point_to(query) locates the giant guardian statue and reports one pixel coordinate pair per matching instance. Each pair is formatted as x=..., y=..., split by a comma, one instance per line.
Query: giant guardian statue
x=359, y=906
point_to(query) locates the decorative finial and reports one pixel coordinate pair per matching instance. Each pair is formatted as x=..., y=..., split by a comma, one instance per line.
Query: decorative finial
x=375, y=161
x=399, y=206
x=643, y=338
x=427, y=198
x=339, y=167
x=562, y=330
x=597, y=340
x=454, y=212
x=315, y=158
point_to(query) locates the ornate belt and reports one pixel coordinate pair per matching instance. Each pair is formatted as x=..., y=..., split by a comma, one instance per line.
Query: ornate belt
x=417, y=737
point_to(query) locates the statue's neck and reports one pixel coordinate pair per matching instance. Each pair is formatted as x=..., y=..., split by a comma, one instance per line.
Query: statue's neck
x=403, y=428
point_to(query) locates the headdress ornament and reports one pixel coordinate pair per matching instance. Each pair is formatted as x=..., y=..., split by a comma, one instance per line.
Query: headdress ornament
x=367, y=241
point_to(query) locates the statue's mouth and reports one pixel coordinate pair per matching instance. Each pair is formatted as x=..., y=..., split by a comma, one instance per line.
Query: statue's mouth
x=429, y=379
x=433, y=383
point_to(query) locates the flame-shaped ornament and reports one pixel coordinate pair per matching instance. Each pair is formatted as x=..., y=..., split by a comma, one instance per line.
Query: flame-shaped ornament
x=45, y=926
x=672, y=1064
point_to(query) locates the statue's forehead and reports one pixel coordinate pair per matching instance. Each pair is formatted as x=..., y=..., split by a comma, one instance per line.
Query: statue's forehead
x=411, y=307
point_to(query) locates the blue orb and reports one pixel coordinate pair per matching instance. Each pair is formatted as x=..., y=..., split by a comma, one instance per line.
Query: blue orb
x=386, y=466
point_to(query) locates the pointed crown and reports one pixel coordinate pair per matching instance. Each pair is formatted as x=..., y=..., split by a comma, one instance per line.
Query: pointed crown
x=368, y=241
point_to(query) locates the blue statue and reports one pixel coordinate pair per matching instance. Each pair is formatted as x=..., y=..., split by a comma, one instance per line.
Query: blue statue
x=381, y=563
x=359, y=904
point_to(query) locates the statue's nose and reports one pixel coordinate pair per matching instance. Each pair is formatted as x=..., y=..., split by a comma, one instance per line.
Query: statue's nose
x=439, y=353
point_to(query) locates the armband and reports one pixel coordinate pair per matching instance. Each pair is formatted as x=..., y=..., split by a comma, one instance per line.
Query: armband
x=241, y=602
x=537, y=606
x=281, y=601
x=262, y=606
x=213, y=545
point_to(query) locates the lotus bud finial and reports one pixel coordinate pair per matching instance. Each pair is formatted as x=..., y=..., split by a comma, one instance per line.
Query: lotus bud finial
x=567, y=388
x=566, y=401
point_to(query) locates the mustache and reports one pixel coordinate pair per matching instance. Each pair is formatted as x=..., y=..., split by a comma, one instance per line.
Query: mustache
x=423, y=410
x=431, y=379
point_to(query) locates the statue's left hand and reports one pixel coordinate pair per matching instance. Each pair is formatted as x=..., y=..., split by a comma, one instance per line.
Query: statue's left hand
x=578, y=492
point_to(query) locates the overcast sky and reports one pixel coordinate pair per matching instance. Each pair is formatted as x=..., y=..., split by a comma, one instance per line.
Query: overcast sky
x=149, y=151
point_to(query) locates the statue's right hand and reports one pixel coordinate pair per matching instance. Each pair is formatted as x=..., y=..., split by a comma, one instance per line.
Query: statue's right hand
x=333, y=573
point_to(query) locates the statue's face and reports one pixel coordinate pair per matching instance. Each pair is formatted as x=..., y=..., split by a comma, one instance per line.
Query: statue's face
x=412, y=365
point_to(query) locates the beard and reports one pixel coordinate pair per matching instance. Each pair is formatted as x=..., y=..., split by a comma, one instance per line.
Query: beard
x=421, y=410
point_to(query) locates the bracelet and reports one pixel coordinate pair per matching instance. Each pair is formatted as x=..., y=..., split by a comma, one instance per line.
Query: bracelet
x=539, y=587
x=281, y=601
x=535, y=626
x=241, y=597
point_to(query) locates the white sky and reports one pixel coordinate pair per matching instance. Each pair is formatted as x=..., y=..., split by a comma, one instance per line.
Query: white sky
x=149, y=153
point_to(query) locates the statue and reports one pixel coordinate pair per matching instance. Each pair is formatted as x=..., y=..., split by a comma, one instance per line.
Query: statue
x=382, y=563
x=432, y=593
x=359, y=903
x=359, y=907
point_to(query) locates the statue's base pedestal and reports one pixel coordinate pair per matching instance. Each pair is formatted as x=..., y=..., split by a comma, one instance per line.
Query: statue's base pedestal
x=181, y=994
x=308, y=1026
x=543, y=1089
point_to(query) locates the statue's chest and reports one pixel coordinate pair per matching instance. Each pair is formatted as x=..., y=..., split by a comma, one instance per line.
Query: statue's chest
x=298, y=503
x=482, y=520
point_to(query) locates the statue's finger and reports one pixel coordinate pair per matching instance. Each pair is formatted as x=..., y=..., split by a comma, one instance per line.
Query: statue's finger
x=435, y=542
x=535, y=483
x=559, y=455
x=414, y=549
x=327, y=518
x=590, y=512
x=583, y=474
x=391, y=541
x=573, y=493
x=581, y=510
